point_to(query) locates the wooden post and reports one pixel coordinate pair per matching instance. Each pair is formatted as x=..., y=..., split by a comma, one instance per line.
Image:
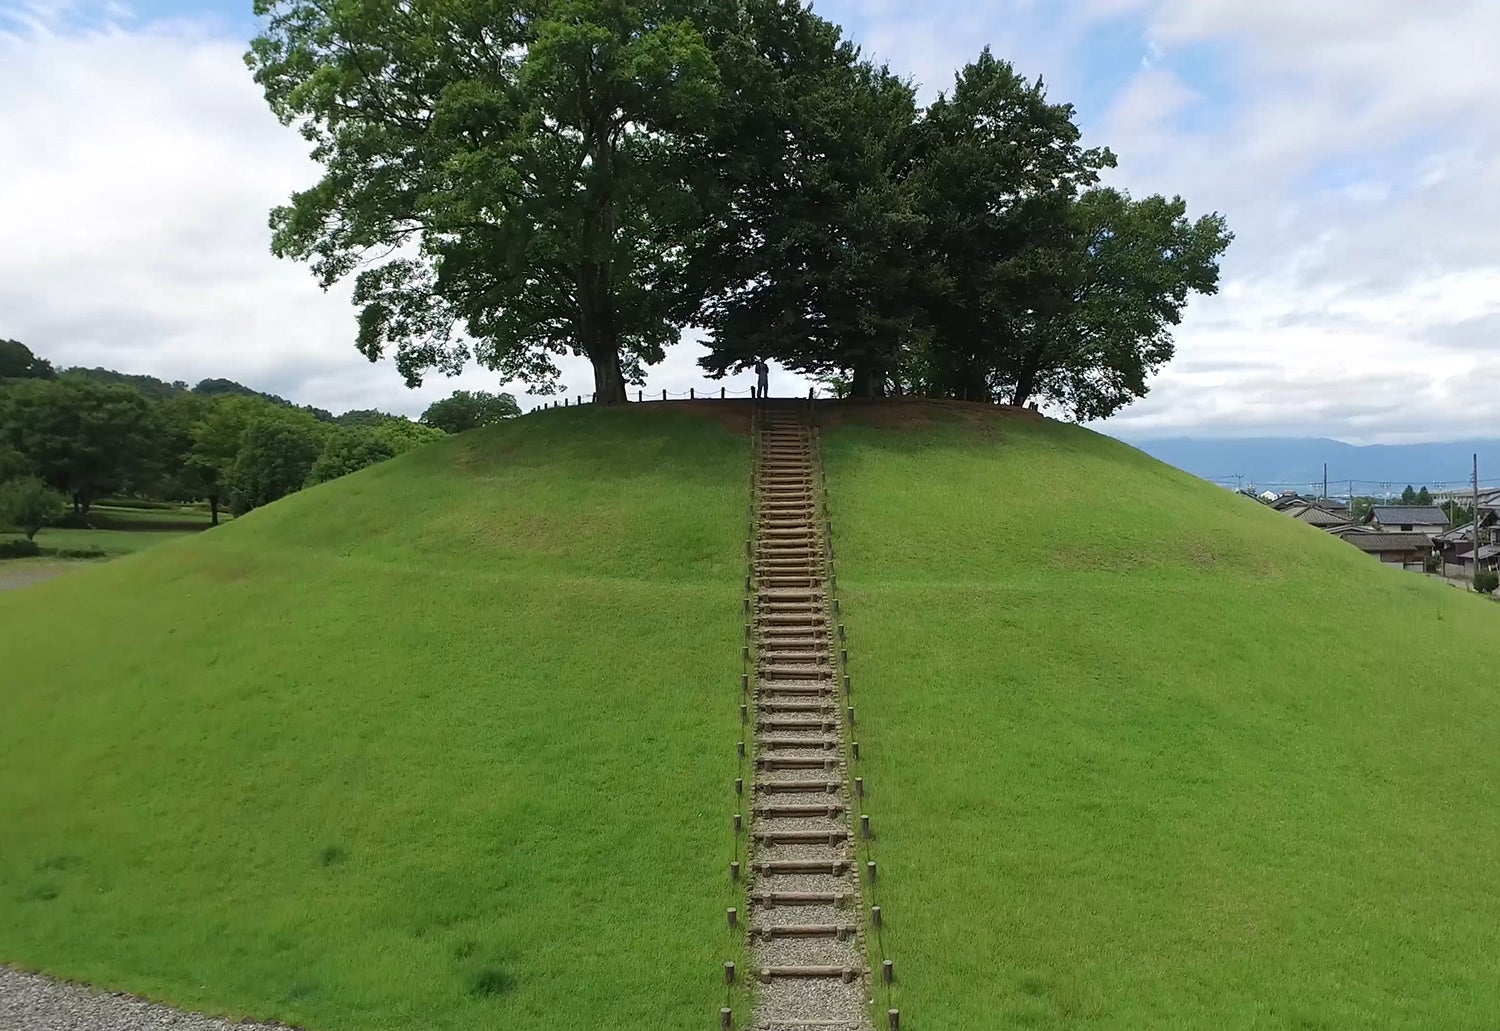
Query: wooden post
x=692, y=393
x=640, y=395
x=664, y=394
x=875, y=917
x=721, y=393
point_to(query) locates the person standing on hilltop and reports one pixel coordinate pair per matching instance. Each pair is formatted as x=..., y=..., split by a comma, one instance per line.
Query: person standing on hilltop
x=762, y=378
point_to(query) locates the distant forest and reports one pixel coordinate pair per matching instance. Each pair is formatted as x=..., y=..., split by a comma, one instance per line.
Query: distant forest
x=69, y=437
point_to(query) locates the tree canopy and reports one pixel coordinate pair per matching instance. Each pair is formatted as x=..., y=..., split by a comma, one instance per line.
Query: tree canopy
x=81, y=438
x=516, y=180
x=516, y=162
x=17, y=362
x=465, y=410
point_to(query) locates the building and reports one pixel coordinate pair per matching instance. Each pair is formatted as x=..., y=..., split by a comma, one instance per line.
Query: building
x=1407, y=550
x=1318, y=515
x=1489, y=558
x=1426, y=519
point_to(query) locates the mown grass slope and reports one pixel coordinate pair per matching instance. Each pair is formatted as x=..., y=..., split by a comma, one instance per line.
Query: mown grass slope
x=445, y=744
x=1145, y=755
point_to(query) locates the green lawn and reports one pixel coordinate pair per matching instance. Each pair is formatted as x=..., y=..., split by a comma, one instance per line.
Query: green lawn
x=112, y=542
x=445, y=744
x=122, y=516
x=1145, y=755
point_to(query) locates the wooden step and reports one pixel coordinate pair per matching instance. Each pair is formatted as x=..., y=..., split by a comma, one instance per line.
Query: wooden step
x=771, y=899
x=799, y=706
x=802, y=837
x=796, y=674
x=826, y=744
x=773, y=725
x=832, y=867
x=798, y=787
x=763, y=687
x=796, y=762
x=843, y=932
x=832, y=810
x=845, y=974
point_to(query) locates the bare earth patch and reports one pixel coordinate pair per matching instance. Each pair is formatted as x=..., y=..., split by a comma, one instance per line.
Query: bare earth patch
x=31, y=1002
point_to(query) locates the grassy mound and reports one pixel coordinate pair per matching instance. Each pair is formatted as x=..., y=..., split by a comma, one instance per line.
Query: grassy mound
x=444, y=744
x=1143, y=754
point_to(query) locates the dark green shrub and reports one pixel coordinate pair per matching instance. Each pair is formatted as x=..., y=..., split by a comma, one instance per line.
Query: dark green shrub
x=1434, y=563
x=93, y=551
x=1486, y=581
x=21, y=548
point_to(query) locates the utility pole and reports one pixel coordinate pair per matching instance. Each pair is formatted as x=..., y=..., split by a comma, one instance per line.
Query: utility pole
x=1325, y=481
x=1351, y=501
x=1476, y=519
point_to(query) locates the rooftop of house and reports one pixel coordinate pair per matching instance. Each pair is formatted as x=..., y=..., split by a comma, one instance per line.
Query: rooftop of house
x=1486, y=552
x=1409, y=515
x=1285, y=501
x=1378, y=542
x=1318, y=516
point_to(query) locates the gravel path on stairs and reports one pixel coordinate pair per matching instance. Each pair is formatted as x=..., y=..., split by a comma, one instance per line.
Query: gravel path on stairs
x=31, y=1002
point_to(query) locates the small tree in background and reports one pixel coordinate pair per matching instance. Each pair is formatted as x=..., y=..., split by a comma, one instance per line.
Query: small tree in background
x=466, y=410
x=29, y=504
x=82, y=438
x=1486, y=581
x=276, y=455
x=349, y=451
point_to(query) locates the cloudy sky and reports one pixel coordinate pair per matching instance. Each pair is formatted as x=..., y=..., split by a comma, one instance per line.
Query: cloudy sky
x=1354, y=147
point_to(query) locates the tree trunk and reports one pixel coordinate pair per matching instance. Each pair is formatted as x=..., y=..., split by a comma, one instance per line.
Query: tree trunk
x=1030, y=371
x=599, y=335
x=609, y=381
x=213, y=509
x=868, y=383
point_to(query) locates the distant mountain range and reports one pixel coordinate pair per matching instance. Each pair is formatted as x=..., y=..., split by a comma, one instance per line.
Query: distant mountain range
x=1285, y=463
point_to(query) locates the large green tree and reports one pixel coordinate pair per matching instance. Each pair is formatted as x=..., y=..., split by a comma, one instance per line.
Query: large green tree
x=1046, y=286
x=807, y=254
x=466, y=409
x=1103, y=312
x=17, y=362
x=82, y=438
x=501, y=177
x=218, y=437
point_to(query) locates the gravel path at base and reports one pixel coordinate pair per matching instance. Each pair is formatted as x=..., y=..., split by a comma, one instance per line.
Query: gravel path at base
x=24, y=575
x=31, y=1002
